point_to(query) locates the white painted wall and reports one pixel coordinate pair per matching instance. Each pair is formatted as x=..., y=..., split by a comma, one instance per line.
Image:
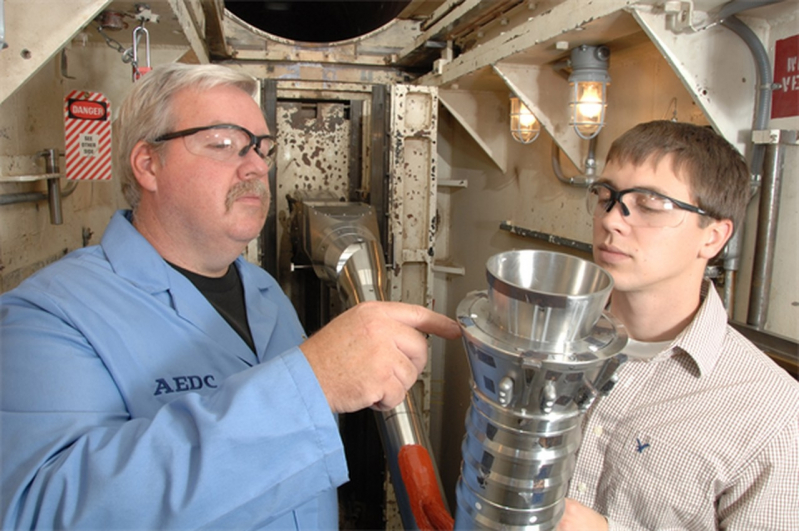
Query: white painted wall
x=31, y=120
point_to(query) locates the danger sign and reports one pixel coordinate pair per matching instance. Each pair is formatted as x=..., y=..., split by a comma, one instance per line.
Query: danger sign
x=785, y=99
x=87, y=131
x=87, y=110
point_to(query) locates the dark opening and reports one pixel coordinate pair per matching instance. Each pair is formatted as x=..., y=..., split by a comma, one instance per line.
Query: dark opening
x=317, y=21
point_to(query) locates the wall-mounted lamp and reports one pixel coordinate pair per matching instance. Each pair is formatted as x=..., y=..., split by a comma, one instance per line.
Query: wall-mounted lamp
x=524, y=126
x=588, y=81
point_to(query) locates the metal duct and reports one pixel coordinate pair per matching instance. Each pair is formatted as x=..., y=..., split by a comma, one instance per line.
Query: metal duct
x=342, y=241
x=540, y=349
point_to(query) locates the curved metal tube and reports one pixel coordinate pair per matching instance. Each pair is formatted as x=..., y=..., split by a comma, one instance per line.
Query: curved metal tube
x=590, y=166
x=732, y=251
x=764, y=76
x=341, y=239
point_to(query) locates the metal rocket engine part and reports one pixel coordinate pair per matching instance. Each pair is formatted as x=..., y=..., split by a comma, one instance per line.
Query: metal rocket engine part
x=540, y=349
x=341, y=240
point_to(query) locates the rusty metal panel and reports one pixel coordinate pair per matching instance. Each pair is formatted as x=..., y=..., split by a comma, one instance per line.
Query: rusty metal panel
x=412, y=191
x=411, y=215
x=313, y=155
x=378, y=162
x=356, y=191
x=314, y=150
x=412, y=167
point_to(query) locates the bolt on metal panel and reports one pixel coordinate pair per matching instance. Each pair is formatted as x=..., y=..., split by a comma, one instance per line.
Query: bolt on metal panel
x=412, y=205
x=411, y=213
x=412, y=167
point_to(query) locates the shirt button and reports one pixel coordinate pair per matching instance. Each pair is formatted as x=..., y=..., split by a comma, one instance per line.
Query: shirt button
x=598, y=431
x=582, y=487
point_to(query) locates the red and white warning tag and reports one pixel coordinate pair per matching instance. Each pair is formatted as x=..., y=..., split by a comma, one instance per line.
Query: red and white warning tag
x=87, y=128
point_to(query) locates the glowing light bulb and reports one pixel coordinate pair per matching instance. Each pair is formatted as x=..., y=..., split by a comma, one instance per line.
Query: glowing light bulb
x=523, y=124
x=589, y=105
x=526, y=118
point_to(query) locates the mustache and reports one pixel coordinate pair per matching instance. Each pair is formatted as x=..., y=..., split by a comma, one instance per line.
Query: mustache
x=251, y=187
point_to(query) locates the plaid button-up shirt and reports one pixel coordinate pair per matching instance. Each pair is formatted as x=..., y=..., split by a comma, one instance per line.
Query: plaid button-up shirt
x=703, y=436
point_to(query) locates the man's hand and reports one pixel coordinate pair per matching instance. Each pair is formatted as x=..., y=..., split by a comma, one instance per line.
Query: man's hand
x=370, y=355
x=578, y=517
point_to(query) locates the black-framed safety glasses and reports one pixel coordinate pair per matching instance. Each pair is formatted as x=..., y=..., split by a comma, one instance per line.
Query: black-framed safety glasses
x=223, y=141
x=643, y=207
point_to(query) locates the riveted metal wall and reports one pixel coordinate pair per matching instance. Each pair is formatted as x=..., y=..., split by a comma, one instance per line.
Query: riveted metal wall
x=412, y=162
x=412, y=210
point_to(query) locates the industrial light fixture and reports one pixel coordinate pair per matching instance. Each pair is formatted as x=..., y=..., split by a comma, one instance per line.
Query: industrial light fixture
x=588, y=81
x=524, y=126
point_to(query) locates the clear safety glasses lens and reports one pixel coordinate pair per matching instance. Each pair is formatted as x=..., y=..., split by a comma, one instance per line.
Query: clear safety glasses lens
x=224, y=144
x=639, y=209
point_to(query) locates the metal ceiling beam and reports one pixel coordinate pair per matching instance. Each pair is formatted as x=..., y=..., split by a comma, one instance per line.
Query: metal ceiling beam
x=34, y=39
x=550, y=25
x=450, y=14
x=474, y=110
x=719, y=80
x=215, y=28
x=191, y=17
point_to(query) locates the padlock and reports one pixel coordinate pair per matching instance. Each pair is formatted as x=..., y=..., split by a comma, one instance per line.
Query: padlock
x=139, y=71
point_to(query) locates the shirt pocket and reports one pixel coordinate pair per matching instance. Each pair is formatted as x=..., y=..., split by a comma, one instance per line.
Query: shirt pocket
x=659, y=483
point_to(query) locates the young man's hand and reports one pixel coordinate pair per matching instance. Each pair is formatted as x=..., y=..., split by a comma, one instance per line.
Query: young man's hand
x=578, y=517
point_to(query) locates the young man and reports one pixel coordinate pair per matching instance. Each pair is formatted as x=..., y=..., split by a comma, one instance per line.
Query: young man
x=702, y=430
x=158, y=380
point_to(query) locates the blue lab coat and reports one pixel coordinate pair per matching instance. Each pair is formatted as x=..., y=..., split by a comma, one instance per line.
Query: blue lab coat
x=129, y=403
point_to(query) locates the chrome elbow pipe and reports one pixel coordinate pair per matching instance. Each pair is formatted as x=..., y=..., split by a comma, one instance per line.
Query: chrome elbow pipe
x=342, y=241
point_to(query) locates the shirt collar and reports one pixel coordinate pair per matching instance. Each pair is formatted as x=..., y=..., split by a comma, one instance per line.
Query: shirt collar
x=702, y=339
x=135, y=259
x=131, y=256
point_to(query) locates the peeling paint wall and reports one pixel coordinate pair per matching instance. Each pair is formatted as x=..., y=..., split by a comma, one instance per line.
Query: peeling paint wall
x=313, y=156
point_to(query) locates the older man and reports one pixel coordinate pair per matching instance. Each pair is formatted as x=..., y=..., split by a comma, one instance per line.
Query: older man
x=158, y=380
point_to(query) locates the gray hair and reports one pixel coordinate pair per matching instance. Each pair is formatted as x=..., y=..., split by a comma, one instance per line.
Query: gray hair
x=146, y=112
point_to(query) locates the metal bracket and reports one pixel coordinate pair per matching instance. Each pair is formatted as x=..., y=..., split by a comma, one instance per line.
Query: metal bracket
x=776, y=136
x=678, y=15
x=144, y=14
